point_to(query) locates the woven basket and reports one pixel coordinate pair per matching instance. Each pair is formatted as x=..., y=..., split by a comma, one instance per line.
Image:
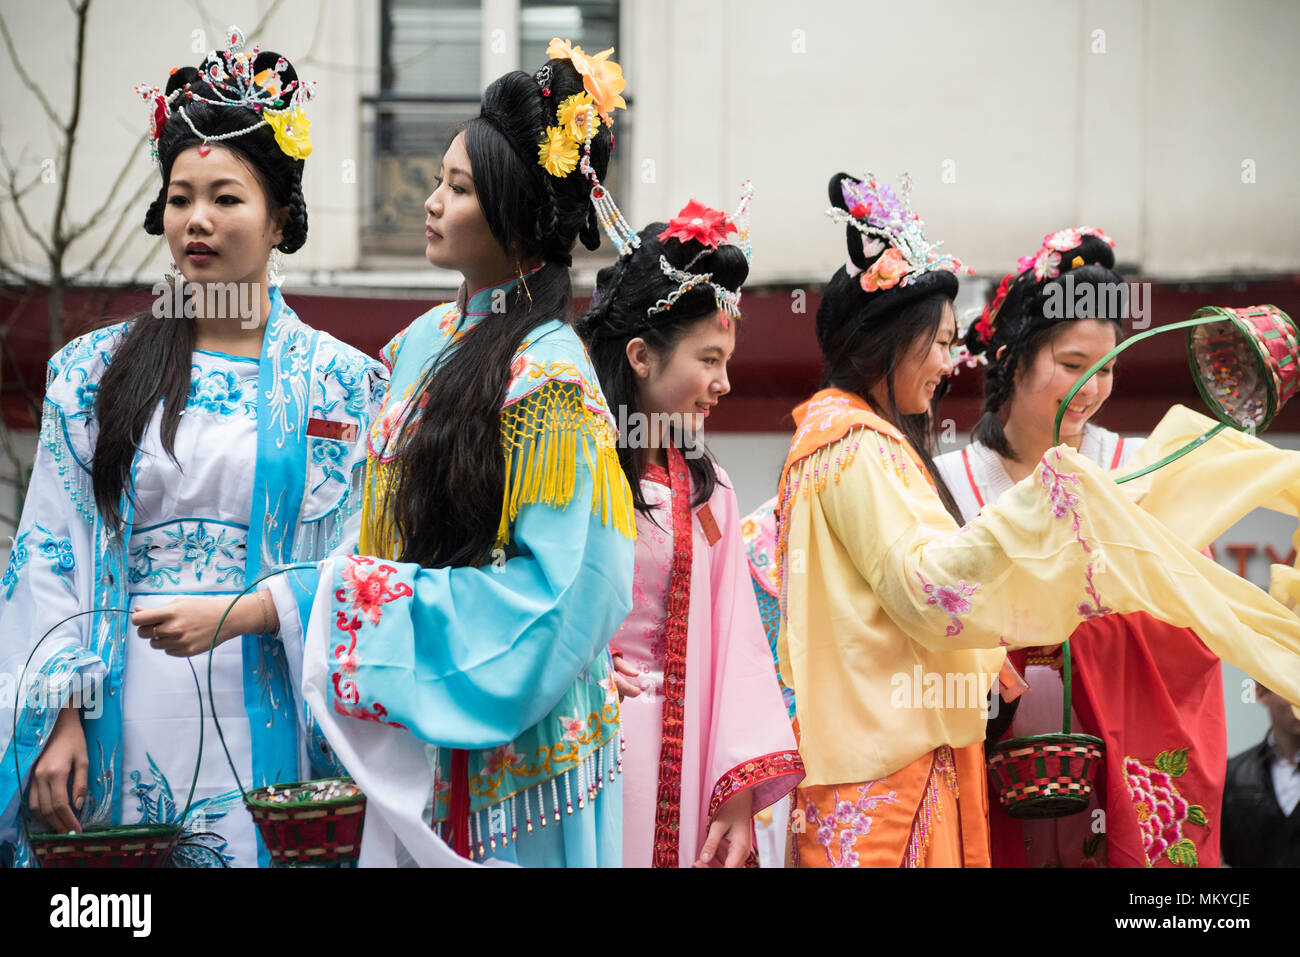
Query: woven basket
x=113, y=846
x=302, y=832
x=1047, y=775
x=1246, y=362
x=145, y=845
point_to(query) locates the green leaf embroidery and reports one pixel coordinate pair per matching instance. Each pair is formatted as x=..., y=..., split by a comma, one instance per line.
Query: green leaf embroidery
x=1092, y=845
x=1183, y=853
x=1173, y=763
x=1196, y=814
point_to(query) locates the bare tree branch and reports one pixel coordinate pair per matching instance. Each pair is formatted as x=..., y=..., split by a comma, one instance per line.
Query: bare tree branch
x=94, y=217
x=23, y=75
x=70, y=139
x=129, y=211
x=12, y=173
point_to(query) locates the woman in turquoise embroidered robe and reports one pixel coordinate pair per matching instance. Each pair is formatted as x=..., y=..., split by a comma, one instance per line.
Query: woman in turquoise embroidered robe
x=491, y=679
x=270, y=454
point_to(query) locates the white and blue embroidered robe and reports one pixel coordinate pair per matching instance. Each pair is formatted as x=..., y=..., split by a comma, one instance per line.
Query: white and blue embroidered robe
x=271, y=455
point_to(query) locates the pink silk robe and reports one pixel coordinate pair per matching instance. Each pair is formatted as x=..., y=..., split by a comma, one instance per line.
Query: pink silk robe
x=731, y=723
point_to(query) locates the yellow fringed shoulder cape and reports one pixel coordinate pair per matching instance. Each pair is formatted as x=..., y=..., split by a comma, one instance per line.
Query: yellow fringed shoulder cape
x=554, y=416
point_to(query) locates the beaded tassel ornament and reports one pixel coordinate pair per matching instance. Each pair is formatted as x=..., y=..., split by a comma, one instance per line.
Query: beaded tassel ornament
x=610, y=217
x=229, y=74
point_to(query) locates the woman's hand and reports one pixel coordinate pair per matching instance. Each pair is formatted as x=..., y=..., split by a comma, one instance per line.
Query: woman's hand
x=732, y=832
x=626, y=689
x=63, y=762
x=183, y=628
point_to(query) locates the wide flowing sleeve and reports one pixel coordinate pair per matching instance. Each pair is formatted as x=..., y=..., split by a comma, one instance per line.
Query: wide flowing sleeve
x=751, y=744
x=1062, y=546
x=48, y=578
x=471, y=657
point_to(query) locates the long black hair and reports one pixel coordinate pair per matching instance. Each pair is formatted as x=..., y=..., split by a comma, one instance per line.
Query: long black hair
x=861, y=352
x=153, y=361
x=453, y=454
x=1024, y=325
x=624, y=293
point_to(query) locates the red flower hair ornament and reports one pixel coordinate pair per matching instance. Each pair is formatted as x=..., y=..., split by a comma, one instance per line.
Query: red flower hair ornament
x=696, y=221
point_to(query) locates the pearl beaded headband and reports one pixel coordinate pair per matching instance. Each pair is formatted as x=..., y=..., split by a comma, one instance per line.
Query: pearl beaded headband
x=229, y=75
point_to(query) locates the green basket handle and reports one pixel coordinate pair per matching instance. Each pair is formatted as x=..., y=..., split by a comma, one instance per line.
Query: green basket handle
x=212, y=645
x=1171, y=457
x=24, y=810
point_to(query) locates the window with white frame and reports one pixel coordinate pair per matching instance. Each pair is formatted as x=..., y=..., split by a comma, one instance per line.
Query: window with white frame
x=431, y=62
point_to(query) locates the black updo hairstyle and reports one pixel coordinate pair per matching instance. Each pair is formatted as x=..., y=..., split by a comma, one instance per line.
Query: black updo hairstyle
x=625, y=292
x=864, y=336
x=1022, y=325
x=153, y=362
x=454, y=452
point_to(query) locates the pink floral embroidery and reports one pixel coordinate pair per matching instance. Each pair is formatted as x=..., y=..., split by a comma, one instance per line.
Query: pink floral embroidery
x=440, y=785
x=852, y=820
x=573, y=726
x=369, y=590
x=954, y=602
x=448, y=324
x=1161, y=811
x=1065, y=501
x=611, y=689
x=501, y=759
x=517, y=369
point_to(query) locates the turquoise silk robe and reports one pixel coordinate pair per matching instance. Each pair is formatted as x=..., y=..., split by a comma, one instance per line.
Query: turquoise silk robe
x=269, y=464
x=481, y=697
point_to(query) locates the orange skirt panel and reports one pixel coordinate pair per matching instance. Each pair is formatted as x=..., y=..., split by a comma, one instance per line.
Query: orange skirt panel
x=932, y=813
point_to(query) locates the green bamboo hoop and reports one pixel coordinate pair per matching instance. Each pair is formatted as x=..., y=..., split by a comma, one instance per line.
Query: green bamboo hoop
x=1235, y=319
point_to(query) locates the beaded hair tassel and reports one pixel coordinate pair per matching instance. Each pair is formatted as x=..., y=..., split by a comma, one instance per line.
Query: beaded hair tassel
x=610, y=217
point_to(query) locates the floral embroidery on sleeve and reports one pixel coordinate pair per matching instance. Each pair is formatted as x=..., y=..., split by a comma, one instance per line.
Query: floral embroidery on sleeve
x=1065, y=501
x=954, y=602
x=368, y=591
x=17, y=559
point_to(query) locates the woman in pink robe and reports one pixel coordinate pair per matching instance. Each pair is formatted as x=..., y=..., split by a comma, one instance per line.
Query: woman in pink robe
x=708, y=743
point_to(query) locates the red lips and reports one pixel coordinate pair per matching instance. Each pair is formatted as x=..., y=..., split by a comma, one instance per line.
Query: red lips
x=200, y=248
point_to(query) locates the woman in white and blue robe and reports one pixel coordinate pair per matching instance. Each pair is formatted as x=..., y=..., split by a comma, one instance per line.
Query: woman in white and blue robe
x=262, y=469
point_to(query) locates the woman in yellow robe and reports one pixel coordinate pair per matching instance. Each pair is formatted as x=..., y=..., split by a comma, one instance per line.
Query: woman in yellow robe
x=894, y=618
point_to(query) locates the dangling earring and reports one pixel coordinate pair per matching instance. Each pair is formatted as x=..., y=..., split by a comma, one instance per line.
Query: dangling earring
x=274, y=275
x=519, y=268
x=173, y=275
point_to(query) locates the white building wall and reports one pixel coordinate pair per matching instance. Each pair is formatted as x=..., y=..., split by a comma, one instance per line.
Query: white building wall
x=1012, y=119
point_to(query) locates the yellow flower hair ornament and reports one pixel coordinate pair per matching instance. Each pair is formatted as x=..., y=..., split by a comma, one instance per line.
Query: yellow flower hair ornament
x=557, y=153
x=601, y=77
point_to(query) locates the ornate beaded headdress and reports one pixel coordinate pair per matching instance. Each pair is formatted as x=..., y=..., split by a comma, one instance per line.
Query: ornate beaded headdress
x=892, y=235
x=235, y=80
x=710, y=227
x=568, y=144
